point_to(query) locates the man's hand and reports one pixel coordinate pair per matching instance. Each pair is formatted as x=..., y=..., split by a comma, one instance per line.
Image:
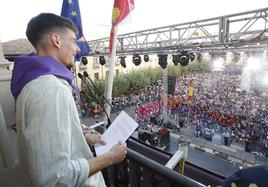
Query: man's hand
x=94, y=138
x=118, y=153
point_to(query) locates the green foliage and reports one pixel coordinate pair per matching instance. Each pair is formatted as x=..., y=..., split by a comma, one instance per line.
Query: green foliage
x=120, y=86
x=192, y=66
x=232, y=65
x=174, y=70
x=137, y=80
x=88, y=92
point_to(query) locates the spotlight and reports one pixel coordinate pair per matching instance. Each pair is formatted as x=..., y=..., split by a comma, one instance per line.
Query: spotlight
x=184, y=58
x=136, y=59
x=162, y=60
x=146, y=58
x=102, y=60
x=175, y=59
x=123, y=61
x=199, y=57
x=84, y=60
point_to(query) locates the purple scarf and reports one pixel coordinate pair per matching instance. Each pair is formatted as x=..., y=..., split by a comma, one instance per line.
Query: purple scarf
x=29, y=67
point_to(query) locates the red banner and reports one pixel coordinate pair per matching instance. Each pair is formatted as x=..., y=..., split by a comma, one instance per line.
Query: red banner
x=120, y=10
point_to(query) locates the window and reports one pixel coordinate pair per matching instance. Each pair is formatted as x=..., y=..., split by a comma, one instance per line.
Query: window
x=96, y=76
x=96, y=64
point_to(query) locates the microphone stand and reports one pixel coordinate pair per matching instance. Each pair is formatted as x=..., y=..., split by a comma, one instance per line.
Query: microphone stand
x=114, y=169
x=106, y=170
x=87, y=76
x=84, y=81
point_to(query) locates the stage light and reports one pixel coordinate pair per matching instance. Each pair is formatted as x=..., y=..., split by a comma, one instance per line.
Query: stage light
x=175, y=59
x=102, y=60
x=84, y=60
x=136, y=59
x=184, y=58
x=146, y=58
x=162, y=60
x=123, y=61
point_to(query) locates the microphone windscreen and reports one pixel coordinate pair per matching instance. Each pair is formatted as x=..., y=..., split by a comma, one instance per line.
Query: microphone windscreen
x=85, y=74
x=80, y=75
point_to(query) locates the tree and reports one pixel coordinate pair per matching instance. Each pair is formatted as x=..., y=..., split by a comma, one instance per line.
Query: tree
x=137, y=80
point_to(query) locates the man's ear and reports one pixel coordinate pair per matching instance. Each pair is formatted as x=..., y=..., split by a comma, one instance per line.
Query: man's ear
x=56, y=40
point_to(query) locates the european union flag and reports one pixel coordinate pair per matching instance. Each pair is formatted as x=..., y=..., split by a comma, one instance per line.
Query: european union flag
x=71, y=10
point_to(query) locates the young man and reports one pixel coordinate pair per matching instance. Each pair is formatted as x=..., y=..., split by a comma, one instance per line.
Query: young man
x=52, y=148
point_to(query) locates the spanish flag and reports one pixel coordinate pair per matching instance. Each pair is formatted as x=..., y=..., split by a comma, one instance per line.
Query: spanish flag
x=121, y=10
x=190, y=90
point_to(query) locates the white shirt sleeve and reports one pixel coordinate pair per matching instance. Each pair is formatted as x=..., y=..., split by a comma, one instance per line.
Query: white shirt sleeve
x=47, y=136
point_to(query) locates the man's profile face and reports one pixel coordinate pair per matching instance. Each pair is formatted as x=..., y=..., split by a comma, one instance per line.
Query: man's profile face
x=68, y=48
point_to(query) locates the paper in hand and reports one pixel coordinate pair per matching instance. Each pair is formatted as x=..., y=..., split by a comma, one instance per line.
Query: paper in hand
x=120, y=130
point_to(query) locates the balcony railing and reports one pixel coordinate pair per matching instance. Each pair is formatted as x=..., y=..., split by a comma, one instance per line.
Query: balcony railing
x=145, y=166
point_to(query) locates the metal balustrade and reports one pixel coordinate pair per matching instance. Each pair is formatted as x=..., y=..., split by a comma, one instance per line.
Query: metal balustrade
x=145, y=166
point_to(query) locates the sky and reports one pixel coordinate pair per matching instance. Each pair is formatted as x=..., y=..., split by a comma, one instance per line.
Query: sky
x=96, y=15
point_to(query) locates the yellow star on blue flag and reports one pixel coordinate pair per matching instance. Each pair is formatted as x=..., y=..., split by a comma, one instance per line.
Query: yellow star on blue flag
x=71, y=10
x=74, y=13
x=70, y=2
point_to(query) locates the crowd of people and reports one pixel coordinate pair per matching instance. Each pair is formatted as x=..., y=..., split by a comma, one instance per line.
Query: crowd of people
x=217, y=103
x=138, y=100
x=218, y=100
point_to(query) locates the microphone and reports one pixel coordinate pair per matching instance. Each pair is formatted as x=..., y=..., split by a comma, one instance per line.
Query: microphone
x=109, y=123
x=87, y=76
x=96, y=99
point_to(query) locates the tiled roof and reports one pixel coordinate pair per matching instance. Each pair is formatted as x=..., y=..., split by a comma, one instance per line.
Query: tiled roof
x=17, y=47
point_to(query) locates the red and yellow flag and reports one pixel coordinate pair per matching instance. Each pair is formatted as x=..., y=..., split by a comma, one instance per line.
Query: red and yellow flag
x=120, y=10
x=190, y=90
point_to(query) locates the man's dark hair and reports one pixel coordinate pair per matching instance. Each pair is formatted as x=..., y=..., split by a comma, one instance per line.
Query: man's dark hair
x=45, y=23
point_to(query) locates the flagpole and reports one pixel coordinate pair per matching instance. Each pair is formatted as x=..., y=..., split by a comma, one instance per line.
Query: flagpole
x=109, y=79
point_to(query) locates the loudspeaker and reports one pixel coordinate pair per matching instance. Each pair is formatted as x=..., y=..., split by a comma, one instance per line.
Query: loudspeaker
x=171, y=84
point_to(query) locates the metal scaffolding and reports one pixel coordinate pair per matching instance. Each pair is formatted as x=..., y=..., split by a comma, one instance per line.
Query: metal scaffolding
x=236, y=32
